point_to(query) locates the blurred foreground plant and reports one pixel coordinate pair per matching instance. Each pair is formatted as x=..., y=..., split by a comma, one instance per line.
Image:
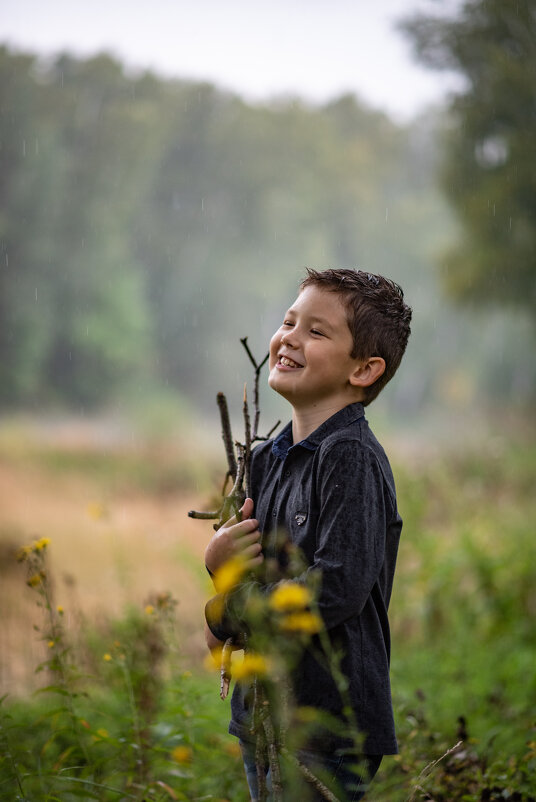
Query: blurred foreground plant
x=100, y=737
x=64, y=675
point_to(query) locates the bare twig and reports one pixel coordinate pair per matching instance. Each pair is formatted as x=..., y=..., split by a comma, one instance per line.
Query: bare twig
x=430, y=766
x=247, y=444
x=244, y=341
x=238, y=465
x=258, y=366
x=225, y=668
x=270, y=433
x=204, y=516
x=232, y=469
x=312, y=778
x=272, y=753
x=227, y=435
x=260, y=740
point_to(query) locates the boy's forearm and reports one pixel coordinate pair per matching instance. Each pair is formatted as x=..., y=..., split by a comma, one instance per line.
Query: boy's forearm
x=211, y=640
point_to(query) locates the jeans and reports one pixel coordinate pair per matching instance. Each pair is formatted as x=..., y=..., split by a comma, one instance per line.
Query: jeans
x=332, y=768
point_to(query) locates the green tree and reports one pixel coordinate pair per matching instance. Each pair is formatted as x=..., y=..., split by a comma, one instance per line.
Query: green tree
x=72, y=308
x=147, y=224
x=490, y=162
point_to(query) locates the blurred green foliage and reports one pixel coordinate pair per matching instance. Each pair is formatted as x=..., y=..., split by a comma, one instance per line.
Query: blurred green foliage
x=147, y=224
x=490, y=161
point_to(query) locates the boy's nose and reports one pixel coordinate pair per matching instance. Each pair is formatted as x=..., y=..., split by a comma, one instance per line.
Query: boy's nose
x=287, y=339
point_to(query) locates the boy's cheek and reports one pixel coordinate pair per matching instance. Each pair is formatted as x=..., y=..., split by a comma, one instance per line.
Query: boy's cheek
x=274, y=345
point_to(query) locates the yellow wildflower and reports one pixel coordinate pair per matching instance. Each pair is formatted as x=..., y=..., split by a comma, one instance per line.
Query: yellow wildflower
x=51, y=644
x=107, y=657
x=229, y=574
x=149, y=609
x=182, y=754
x=164, y=600
x=532, y=750
x=59, y=609
x=34, y=580
x=217, y=605
x=23, y=553
x=232, y=748
x=212, y=661
x=290, y=596
x=306, y=714
x=96, y=510
x=41, y=544
x=301, y=622
x=252, y=665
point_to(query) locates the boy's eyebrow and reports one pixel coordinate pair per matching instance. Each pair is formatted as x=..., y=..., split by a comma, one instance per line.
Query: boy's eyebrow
x=314, y=319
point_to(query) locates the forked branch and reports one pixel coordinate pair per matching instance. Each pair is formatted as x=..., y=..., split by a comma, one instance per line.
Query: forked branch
x=238, y=453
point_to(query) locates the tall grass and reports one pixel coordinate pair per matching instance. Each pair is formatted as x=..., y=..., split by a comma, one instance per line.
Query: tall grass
x=125, y=712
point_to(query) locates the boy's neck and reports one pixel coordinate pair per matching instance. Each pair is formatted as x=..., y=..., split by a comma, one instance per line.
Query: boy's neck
x=305, y=421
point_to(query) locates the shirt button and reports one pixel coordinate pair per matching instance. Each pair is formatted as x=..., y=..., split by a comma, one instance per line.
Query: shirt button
x=287, y=474
x=274, y=514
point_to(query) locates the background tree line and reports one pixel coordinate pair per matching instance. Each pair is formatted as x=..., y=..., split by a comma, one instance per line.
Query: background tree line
x=147, y=224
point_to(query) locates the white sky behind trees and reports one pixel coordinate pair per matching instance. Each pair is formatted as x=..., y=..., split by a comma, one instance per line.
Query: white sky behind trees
x=317, y=49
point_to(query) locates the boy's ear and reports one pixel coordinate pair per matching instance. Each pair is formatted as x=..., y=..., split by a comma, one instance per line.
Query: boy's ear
x=367, y=373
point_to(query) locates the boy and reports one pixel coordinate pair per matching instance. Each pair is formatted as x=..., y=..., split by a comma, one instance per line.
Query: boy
x=326, y=482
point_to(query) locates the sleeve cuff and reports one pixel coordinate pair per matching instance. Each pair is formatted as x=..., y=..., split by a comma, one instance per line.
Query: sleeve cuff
x=216, y=620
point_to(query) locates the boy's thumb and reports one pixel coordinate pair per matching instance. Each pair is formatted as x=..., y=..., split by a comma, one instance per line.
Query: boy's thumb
x=247, y=508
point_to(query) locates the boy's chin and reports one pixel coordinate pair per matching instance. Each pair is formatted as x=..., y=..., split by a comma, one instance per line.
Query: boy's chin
x=275, y=385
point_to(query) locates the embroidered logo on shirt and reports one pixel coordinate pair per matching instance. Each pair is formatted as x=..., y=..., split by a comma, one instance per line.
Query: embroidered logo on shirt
x=300, y=518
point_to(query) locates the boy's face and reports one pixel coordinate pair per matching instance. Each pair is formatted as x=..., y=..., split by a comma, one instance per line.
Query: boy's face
x=310, y=363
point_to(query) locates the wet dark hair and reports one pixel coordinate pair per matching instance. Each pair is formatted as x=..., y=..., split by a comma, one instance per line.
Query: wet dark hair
x=377, y=317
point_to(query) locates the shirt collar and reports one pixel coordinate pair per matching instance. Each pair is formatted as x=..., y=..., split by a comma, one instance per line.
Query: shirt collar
x=344, y=417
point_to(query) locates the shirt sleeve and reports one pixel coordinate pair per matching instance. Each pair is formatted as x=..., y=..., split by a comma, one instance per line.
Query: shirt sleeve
x=222, y=616
x=351, y=530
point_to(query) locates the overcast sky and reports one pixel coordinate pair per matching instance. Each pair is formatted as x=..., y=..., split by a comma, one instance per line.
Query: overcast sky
x=259, y=48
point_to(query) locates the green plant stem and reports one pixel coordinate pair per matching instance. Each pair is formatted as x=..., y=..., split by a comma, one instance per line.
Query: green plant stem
x=59, y=667
x=6, y=748
x=312, y=778
x=134, y=713
x=89, y=783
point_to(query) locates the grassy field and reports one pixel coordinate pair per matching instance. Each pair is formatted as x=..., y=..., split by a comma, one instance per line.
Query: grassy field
x=132, y=714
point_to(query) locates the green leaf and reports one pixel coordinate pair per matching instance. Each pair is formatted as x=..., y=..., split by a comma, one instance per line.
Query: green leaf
x=52, y=689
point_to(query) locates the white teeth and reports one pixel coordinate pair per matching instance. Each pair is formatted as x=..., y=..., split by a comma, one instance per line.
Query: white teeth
x=289, y=363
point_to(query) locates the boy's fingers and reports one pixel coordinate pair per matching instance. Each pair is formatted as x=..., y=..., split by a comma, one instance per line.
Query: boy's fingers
x=252, y=551
x=243, y=514
x=254, y=561
x=247, y=539
x=244, y=528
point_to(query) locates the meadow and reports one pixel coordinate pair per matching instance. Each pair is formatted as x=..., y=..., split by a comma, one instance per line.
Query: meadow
x=106, y=693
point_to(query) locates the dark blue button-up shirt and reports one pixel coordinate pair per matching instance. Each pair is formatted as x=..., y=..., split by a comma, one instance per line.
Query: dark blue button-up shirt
x=334, y=495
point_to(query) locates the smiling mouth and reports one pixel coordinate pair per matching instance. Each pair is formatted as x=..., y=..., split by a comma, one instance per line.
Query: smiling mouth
x=288, y=363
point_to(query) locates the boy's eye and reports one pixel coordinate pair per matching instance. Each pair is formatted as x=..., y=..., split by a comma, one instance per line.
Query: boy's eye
x=288, y=323
x=315, y=331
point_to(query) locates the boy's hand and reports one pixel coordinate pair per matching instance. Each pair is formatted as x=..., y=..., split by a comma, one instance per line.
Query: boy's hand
x=236, y=537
